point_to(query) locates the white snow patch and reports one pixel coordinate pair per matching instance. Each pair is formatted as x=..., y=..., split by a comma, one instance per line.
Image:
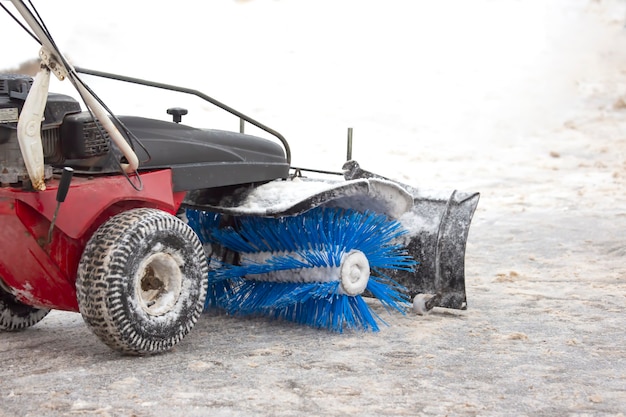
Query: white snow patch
x=26, y=294
x=280, y=195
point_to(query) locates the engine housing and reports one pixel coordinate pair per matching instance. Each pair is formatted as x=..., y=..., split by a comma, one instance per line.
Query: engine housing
x=66, y=132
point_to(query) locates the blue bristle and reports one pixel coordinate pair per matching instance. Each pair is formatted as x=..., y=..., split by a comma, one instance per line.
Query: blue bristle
x=321, y=239
x=316, y=239
x=217, y=289
x=314, y=304
x=204, y=223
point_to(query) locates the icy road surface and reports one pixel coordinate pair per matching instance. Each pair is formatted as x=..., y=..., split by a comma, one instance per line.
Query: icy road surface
x=524, y=102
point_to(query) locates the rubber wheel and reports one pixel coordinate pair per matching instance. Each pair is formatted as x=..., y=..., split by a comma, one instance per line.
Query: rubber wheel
x=15, y=315
x=142, y=281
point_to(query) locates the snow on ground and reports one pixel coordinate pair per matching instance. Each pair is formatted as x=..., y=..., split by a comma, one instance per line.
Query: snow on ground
x=523, y=101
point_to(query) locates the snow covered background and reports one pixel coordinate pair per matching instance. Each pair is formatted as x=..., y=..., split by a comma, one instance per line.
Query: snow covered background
x=523, y=101
x=418, y=82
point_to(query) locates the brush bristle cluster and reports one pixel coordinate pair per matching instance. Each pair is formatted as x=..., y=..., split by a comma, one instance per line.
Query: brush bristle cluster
x=288, y=266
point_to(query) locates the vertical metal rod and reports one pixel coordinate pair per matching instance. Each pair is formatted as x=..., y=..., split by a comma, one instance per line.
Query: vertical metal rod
x=241, y=125
x=349, y=155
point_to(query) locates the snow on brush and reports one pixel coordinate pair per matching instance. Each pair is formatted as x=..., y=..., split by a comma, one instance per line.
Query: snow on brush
x=279, y=196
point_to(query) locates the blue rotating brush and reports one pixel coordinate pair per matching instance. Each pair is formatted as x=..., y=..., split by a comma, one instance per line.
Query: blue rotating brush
x=311, y=269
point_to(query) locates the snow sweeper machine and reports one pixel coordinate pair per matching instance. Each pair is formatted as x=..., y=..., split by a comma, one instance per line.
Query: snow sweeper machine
x=142, y=224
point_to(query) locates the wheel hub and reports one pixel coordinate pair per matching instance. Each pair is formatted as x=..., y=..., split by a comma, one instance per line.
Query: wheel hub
x=159, y=284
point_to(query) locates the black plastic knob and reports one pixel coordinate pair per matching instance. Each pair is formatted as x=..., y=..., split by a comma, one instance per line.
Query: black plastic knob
x=177, y=113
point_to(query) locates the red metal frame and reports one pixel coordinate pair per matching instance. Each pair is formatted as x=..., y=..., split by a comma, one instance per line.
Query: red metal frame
x=42, y=273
